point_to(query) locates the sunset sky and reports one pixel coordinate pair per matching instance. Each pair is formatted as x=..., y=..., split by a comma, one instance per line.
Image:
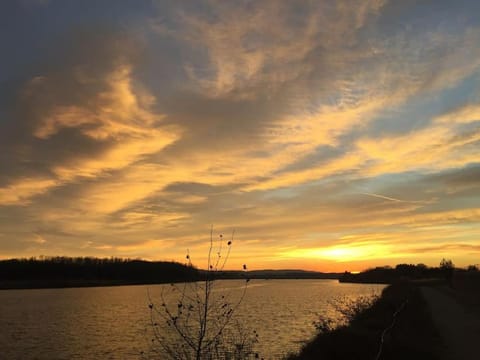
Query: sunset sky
x=330, y=135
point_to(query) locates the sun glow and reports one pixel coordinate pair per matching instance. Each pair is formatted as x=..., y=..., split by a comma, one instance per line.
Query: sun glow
x=344, y=253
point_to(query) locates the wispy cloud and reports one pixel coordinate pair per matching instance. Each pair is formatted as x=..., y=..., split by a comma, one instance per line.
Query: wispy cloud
x=312, y=128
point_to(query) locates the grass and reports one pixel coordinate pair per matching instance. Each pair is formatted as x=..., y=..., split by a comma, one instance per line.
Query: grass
x=413, y=335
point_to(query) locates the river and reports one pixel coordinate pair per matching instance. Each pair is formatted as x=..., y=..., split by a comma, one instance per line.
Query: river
x=114, y=322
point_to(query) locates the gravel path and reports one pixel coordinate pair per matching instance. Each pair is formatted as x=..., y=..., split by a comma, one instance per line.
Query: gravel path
x=458, y=324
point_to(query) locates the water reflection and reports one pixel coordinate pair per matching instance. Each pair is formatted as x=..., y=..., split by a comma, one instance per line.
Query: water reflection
x=114, y=322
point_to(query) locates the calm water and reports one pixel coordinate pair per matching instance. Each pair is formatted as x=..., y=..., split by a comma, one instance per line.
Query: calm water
x=114, y=322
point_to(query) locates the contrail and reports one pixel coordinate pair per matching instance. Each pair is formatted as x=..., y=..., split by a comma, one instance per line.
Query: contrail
x=384, y=197
x=394, y=199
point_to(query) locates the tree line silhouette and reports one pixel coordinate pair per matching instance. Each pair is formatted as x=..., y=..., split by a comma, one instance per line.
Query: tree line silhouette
x=62, y=271
x=86, y=271
x=388, y=274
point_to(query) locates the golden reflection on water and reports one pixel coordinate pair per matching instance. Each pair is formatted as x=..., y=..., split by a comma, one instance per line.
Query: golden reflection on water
x=114, y=322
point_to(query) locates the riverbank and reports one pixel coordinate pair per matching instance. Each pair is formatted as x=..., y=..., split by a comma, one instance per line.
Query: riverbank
x=400, y=317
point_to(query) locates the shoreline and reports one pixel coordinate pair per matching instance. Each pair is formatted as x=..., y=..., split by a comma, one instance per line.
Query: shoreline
x=63, y=284
x=398, y=325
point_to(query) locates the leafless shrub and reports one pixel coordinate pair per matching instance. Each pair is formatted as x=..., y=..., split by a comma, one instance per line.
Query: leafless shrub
x=201, y=325
x=350, y=308
x=347, y=308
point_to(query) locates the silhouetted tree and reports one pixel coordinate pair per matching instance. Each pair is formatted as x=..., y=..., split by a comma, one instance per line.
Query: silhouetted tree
x=200, y=323
x=447, y=269
x=446, y=264
x=472, y=268
x=64, y=271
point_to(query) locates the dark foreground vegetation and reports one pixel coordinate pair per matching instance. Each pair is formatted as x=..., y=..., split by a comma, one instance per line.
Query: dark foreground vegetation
x=398, y=325
x=466, y=287
x=400, y=316
x=87, y=271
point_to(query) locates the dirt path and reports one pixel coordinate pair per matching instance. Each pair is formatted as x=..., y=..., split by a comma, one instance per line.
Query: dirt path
x=458, y=324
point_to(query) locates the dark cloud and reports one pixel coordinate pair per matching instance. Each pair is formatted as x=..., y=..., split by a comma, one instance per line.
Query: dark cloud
x=468, y=175
x=73, y=76
x=319, y=156
x=197, y=188
x=219, y=124
x=449, y=247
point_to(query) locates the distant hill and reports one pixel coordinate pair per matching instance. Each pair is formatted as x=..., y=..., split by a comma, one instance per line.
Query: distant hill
x=277, y=274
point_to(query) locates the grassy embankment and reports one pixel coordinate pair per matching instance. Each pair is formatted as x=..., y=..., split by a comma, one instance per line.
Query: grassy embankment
x=412, y=336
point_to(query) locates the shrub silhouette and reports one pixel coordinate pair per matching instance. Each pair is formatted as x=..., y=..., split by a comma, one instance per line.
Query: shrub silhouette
x=200, y=323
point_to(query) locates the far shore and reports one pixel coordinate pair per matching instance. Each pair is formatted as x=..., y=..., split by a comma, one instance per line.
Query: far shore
x=65, y=272
x=77, y=283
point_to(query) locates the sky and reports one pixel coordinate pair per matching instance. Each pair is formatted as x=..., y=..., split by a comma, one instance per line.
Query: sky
x=327, y=135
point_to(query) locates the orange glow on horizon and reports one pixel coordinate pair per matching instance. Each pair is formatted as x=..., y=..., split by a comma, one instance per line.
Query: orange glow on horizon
x=343, y=253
